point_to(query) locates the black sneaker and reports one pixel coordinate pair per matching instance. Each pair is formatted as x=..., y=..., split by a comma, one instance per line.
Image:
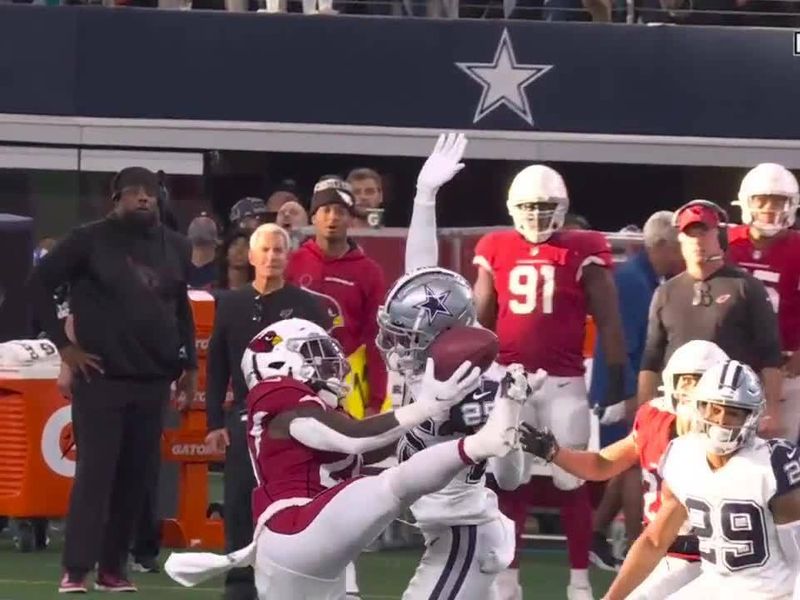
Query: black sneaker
x=145, y=565
x=601, y=554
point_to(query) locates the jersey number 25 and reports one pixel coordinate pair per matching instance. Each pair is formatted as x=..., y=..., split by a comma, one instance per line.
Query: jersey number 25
x=524, y=282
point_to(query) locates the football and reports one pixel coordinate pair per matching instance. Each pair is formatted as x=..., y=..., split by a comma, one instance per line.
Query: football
x=454, y=346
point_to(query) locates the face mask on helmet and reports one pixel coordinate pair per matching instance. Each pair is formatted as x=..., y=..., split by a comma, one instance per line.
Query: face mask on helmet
x=537, y=202
x=768, y=198
x=419, y=307
x=769, y=214
x=537, y=221
x=682, y=386
x=727, y=428
x=317, y=360
x=402, y=349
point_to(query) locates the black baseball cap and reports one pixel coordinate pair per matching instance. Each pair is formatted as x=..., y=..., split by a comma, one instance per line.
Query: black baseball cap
x=333, y=190
x=130, y=177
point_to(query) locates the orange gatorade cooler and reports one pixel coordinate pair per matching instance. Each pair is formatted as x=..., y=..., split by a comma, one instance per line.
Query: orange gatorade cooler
x=185, y=445
x=37, y=454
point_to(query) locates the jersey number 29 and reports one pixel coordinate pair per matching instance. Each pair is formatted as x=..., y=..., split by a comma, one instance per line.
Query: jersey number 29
x=524, y=282
x=741, y=540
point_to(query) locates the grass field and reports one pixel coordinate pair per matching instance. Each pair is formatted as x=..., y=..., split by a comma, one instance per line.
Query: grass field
x=382, y=575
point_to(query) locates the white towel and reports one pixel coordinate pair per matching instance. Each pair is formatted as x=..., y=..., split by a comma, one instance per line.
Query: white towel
x=192, y=568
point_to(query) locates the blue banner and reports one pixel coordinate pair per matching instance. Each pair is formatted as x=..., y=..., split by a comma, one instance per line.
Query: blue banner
x=410, y=73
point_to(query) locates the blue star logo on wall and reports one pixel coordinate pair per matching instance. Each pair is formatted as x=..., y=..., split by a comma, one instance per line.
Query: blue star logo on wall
x=434, y=304
x=504, y=81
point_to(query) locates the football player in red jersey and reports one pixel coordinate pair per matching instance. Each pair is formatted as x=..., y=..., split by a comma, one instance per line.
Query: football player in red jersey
x=314, y=513
x=767, y=246
x=657, y=422
x=535, y=285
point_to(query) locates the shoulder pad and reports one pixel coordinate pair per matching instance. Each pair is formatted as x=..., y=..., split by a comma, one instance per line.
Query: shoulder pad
x=284, y=391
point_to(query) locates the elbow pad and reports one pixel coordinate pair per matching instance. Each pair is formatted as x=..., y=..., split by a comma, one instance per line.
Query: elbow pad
x=314, y=434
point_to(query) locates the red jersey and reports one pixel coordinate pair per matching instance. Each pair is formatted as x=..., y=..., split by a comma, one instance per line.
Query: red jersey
x=541, y=303
x=285, y=468
x=352, y=288
x=778, y=268
x=653, y=430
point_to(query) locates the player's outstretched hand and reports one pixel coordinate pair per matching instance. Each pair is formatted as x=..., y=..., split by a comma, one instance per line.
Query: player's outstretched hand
x=444, y=394
x=443, y=163
x=539, y=442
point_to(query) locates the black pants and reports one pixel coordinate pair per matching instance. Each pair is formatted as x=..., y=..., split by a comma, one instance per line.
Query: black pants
x=147, y=535
x=239, y=484
x=117, y=427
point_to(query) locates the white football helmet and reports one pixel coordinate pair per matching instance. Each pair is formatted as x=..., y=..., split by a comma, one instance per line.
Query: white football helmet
x=768, y=179
x=693, y=358
x=301, y=350
x=537, y=202
x=731, y=384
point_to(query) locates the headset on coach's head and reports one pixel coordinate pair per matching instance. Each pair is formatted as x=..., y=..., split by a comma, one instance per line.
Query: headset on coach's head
x=722, y=228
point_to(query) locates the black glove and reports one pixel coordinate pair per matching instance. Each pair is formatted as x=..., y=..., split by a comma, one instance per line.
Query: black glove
x=539, y=442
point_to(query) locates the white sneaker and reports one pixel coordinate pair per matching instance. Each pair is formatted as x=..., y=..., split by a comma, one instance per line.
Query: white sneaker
x=579, y=593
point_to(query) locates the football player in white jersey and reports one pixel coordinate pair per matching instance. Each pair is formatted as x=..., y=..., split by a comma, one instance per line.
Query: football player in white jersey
x=656, y=424
x=468, y=540
x=740, y=493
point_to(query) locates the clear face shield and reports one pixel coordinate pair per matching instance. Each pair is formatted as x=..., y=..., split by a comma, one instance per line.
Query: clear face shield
x=324, y=363
x=402, y=349
x=726, y=427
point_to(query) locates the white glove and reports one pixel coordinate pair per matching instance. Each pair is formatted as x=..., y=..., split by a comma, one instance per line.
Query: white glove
x=536, y=380
x=515, y=385
x=443, y=163
x=609, y=415
x=437, y=397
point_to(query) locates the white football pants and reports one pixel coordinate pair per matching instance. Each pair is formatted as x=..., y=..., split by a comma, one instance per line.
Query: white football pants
x=461, y=562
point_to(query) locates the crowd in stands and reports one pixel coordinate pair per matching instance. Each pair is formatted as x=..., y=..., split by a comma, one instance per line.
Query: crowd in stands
x=755, y=13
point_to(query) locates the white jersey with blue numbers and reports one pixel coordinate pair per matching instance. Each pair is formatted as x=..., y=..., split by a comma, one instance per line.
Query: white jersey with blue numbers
x=729, y=509
x=465, y=500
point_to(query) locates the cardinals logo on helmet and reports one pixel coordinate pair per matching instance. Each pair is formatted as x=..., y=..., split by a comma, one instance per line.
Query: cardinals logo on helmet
x=265, y=343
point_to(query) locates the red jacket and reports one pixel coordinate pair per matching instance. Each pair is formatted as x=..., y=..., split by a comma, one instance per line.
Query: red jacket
x=353, y=287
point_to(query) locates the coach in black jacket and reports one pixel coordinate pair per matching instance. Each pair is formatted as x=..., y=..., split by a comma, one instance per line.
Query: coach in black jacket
x=134, y=336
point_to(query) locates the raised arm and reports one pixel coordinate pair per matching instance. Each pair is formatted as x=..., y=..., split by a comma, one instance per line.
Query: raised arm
x=422, y=246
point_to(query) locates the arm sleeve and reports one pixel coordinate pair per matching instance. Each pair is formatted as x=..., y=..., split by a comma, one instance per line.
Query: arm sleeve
x=422, y=246
x=217, y=370
x=656, y=343
x=58, y=267
x=764, y=324
x=376, y=368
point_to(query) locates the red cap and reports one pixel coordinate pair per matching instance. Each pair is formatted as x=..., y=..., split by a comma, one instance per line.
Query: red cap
x=697, y=213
